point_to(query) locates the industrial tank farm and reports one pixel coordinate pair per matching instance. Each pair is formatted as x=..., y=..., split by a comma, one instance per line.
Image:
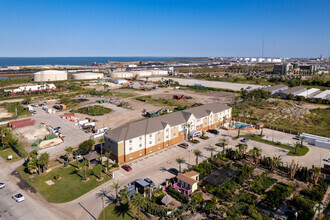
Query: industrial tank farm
x=84, y=76
x=50, y=75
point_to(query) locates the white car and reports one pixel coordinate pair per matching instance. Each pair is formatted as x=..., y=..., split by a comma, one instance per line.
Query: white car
x=2, y=185
x=18, y=197
x=327, y=159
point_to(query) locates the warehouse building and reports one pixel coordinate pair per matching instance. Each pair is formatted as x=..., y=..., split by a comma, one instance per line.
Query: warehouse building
x=144, y=137
x=315, y=140
x=87, y=76
x=50, y=75
x=323, y=95
x=140, y=73
x=291, y=91
x=276, y=88
x=309, y=93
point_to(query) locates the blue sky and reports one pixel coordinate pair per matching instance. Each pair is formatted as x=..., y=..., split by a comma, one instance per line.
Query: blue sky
x=51, y=28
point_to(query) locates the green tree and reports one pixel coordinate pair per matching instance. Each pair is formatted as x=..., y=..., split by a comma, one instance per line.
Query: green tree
x=255, y=153
x=180, y=161
x=43, y=161
x=296, y=145
x=223, y=142
x=107, y=154
x=68, y=150
x=116, y=186
x=32, y=165
x=302, y=138
x=124, y=195
x=27, y=100
x=197, y=153
x=33, y=154
x=138, y=202
x=211, y=149
x=101, y=142
x=86, y=146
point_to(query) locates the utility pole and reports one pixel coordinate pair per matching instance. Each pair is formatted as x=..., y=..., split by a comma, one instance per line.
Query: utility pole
x=262, y=51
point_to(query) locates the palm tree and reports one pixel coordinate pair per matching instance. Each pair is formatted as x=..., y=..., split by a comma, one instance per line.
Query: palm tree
x=211, y=149
x=223, y=143
x=124, y=195
x=275, y=162
x=180, y=161
x=302, y=138
x=75, y=153
x=116, y=187
x=85, y=172
x=197, y=153
x=43, y=161
x=296, y=145
x=99, y=167
x=242, y=149
x=33, y=154
x=107, y=155
x=69, y=151
x=101, y=141
x=255, y=153
x=138, y=202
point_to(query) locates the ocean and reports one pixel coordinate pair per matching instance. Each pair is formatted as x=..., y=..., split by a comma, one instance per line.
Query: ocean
x=24, y=61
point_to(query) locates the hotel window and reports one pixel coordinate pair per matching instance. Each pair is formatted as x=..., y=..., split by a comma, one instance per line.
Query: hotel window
x=150, y=135
x=174, y=134
x=150, y=149
x=166, y=129
x=166, y=136
x=130, y=141
x=158, y=139
x=166, y=143
x=130, y=148
x=150, y=142
x=130, y=156
x=158, y=132
x=140, y=138
x=158, y=146
x=140, y=145
x=140, y=152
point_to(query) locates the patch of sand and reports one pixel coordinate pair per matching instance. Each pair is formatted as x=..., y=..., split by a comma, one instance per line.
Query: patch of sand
x=49, y=143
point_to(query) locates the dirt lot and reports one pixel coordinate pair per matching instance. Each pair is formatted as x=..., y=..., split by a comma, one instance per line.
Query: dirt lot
x=4, y=113
x=31, y=133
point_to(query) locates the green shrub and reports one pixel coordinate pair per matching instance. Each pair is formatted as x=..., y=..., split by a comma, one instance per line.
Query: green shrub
x=177, y=195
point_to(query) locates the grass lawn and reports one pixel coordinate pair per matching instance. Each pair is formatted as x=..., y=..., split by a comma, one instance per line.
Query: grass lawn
x=123, y=94
x=94, y=110
x=68, y=188
x=5, y=153
x=121, y=212
x=300, y=151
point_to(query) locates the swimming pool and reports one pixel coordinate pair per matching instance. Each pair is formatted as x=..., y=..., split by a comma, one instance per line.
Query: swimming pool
x=240, y=125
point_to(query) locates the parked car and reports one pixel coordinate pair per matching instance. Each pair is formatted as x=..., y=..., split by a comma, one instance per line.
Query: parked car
x=58, y=128
x=213, y=131
x=2, y=185
x=327, y=159
x=173, y=171
x=244, y=140
x=78, y=156
x=296, y=137
x=18, y=197
x=183, y=145
x=127, y=167
x=152, y=184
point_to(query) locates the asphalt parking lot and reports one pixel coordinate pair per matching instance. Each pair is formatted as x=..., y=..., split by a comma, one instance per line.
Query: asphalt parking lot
x=73, y=135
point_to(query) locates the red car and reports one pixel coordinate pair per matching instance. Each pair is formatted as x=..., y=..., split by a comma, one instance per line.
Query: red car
x=127, y=167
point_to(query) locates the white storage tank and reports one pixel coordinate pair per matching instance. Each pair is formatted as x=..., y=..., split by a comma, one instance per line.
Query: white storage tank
x=50, y=75
x=88, y=75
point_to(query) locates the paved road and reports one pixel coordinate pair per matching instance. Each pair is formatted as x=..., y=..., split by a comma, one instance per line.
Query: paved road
x=155, y=166
x=34, y=206
x=214, y=84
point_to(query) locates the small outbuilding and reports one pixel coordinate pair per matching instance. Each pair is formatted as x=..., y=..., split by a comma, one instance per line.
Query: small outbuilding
x=166, y=200
x=189, y=180
x=91, y=156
